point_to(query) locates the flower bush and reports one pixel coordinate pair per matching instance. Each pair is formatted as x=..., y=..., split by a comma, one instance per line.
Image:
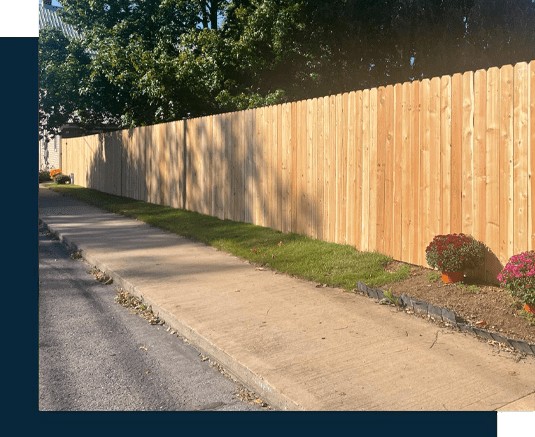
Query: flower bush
x=62, y=179
x=518, y=276
x=454, y=252
x=54, y=172
x=44, y=176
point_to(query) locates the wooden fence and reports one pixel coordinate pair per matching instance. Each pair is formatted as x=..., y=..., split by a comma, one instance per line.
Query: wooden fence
x=383, y=169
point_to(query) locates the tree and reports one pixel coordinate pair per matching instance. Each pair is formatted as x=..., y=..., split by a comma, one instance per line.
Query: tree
x=70, y=90
x=142, y=62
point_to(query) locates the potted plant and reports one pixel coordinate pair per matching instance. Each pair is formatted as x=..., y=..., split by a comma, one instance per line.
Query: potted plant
x=453, y=254
x=62, y=179
x=518, y=276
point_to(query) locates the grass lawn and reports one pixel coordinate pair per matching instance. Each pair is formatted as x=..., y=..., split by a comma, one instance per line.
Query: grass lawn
x=326, y=263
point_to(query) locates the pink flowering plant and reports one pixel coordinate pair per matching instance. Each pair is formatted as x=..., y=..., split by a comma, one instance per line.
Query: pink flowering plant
x=454, y=252
x=518, y=276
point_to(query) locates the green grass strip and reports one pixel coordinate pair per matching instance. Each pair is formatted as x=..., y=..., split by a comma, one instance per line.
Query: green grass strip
x=334, y=265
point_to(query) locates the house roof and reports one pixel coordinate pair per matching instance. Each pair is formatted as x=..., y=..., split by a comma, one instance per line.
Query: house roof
x=49, y=17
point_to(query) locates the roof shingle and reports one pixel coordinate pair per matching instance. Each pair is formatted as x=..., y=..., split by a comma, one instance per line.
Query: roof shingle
x=48, y=17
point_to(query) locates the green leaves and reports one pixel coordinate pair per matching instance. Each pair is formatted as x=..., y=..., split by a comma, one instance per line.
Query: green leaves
x=144, y=62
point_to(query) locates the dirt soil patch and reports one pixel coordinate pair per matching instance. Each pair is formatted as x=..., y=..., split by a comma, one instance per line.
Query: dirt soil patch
x=483, y=305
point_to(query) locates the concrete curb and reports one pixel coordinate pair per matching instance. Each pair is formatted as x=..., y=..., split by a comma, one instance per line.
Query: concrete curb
x=447, y=316
x=236, y=369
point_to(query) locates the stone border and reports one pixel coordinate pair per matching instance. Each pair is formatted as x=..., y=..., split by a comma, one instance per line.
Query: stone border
x=447, y=316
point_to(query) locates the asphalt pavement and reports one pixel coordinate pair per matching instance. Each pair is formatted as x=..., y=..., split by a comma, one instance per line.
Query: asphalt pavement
x=96, y=355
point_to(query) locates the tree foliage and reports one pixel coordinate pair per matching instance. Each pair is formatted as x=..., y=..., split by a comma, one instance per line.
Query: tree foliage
x=141, y=62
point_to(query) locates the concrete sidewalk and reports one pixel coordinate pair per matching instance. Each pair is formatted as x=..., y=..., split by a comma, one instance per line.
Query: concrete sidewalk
x=298, y=346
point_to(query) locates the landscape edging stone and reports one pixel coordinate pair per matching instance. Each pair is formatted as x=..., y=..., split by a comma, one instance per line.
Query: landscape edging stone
x=448, y=316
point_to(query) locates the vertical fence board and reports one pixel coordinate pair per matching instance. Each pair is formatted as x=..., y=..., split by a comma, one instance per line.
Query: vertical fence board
x=326, y=166
x=397, y=189
x=435, y=188
x=286, y=166
x=168, y=144
x=295, y=171
x=372, y=212
x=247, y=167
x=234, y=151
x=267, y=136
x=319, y=179
x=311, y=118
x=339, y=179
x=405, y=169
x=343, y=176
x=358, y=169
x=191, y=192
x=388, y=167
x=506, y=163
x=181, y=137
x=168, y=141
x=366, y=139
x=492, y=186
x=263, y=139
x=128, y=189
x=127, y=170
x=480, y=153
x=279, y=170
x=520, y=157
x=124, y=160
x=351, y=170
x=331, y=153
x=273, y=176
x=255, y=175
x=228, y=162
x=259, y=167
x=165, y=163
x=241, y=162
x=208, y=168
x=468, y=153
x=425, y=169
x=456, y=152
x=380, y=176
x=153, y=168
x=216, y=167
x=302, y=214
x=143, y=168
x=137, y=170
x=197, y=154
x=445, y=153
x=414, y=233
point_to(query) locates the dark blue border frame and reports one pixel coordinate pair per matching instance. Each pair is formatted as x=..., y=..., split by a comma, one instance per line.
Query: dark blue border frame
x=18, y=99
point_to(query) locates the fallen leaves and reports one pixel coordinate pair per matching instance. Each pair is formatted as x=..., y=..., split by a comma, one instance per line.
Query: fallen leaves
x=77, y=254
x=137, y=305
x=101, y=276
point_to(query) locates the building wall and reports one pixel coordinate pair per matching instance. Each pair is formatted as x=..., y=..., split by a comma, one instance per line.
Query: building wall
x=50, y=153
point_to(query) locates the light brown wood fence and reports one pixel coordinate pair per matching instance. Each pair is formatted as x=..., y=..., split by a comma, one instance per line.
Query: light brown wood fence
x=383, y=169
